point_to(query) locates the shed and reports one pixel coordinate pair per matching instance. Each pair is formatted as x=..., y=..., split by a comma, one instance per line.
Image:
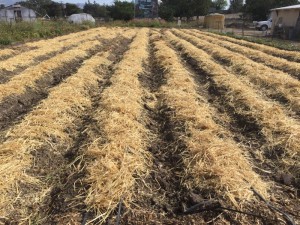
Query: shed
x=214, y=21
x=286, y=19
x=80, y=18
x=17, y=13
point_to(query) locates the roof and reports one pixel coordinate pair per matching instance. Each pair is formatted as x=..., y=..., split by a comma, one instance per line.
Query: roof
x=287, y=7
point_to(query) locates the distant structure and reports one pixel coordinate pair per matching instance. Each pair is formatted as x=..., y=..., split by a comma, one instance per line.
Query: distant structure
x=146, y=8
x=286, y=22
x=80, y=18
x=214, y=21
x=17, y=13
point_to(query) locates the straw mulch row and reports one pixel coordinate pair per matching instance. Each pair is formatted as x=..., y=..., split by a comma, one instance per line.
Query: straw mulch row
x=271, y=51
x=276, y=82
x=285, y=65
x=217, y=165
x=119, y=155
x=33, y=152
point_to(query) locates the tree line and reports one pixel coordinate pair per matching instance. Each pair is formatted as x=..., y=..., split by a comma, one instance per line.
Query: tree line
x=168, y=9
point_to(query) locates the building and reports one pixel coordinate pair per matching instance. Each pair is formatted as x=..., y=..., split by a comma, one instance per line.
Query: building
x=286, y=21
x=17, y=13
x=81, y=18
x=146, y=8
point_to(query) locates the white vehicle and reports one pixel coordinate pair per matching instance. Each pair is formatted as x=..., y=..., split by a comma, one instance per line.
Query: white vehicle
x=264, y=25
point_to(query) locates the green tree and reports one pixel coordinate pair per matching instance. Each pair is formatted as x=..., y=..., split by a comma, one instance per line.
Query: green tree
x=184, y=8
x=236, y=6
x=72, y=9
x=39, y=6
x=219, y=4
x=121, y=10
x=95, y=9
x=165, y=12
x=2, y=6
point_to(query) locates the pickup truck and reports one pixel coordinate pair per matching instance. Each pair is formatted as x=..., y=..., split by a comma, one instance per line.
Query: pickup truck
x=264, y=25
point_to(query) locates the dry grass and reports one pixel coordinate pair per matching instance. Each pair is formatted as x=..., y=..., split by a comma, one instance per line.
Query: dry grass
x=216, y=164
x=120, y=155
x=282, y=64
x=275, y=81
x=278, y=129
x=289, y=55
x=51, y=126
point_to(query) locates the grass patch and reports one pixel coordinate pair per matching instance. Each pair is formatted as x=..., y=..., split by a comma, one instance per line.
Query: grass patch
x=25, y=31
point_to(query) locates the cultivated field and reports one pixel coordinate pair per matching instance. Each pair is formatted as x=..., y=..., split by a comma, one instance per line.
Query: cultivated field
x=149, y=126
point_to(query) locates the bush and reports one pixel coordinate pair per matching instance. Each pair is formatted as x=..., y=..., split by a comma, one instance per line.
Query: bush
x=24, y=31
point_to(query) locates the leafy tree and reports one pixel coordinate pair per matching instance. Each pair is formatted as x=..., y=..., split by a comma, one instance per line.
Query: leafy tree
x=236, y=6
x=39, y=6
x=2, y=6
x=54, y=9
x=259, y=10
x=219, y=4
x=165, y=12
x=184, y=8
x=95, y=9
x=121, y=10
x=72, y=9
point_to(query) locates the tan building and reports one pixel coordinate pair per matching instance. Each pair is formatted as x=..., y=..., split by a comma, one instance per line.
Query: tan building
x=286, y=20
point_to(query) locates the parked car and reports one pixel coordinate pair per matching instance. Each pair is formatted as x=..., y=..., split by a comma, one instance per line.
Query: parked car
x=264, y=25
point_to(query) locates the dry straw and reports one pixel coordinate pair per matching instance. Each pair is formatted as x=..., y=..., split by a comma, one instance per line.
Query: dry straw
x=289, y=55
x=49, y=47
x=216, y=164
x=50, y=126
x=27, y=79
x=275, y=81
x=278, y=129
x=7, y=52
x=292, y=68
x=120, y=155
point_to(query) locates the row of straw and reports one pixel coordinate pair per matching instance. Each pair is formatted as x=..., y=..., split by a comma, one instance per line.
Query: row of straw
x=50, y=126
x=119, y=155
x=289, y=55
x=217, y=165
x=278, y=129
x=50, y=47
x=275, y=81
x=28, y=78
x=282, y=64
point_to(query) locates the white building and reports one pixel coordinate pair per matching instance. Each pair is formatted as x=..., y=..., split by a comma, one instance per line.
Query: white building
x=287, y=19
x=17, y=13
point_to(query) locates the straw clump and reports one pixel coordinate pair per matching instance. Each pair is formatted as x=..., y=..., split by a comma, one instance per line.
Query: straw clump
x=119, y=156
x=216, y=164
x=277, y=81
